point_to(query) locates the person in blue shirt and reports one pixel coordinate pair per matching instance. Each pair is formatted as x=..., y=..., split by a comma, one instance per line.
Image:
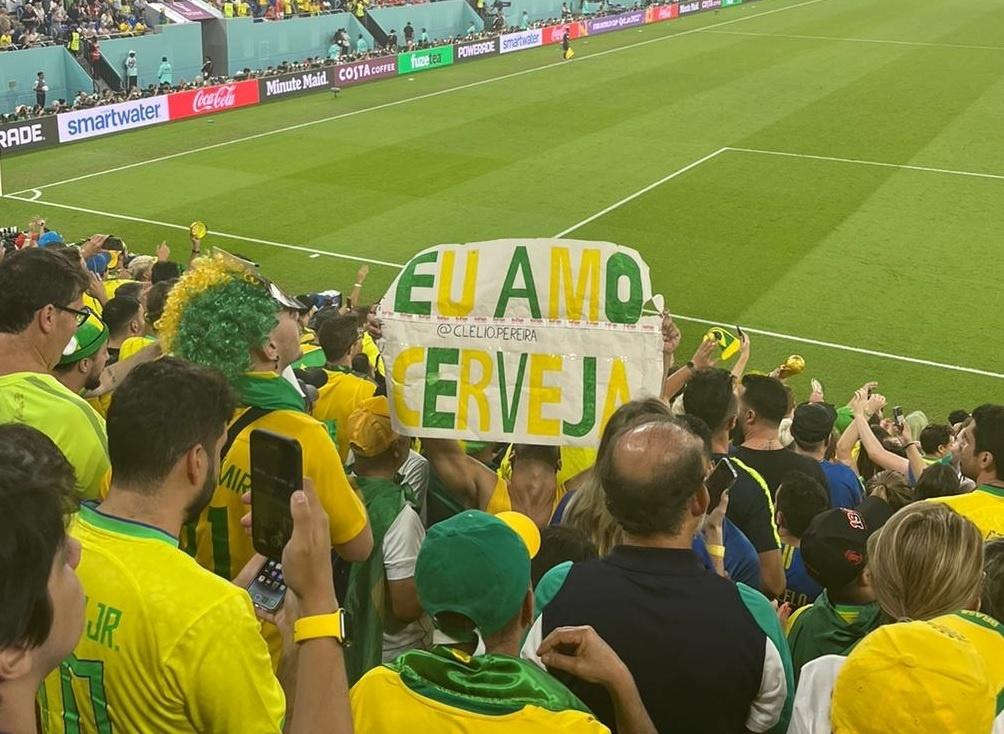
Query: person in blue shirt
x=361, y=45
x=811, y=428
x=799, y=499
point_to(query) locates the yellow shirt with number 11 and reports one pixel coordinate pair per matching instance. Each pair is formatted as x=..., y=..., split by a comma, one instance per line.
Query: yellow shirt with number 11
x=168, y=647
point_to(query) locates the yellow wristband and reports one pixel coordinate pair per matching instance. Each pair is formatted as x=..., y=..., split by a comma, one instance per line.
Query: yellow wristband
x=715, y=551
x=321, y=625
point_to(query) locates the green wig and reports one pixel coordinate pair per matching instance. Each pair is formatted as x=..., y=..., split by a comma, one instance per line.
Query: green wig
x=216, y=315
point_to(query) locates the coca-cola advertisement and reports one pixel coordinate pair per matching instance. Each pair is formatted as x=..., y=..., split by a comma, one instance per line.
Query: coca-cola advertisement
x=554, y=33
x=656, y=13
x=210, y=100
x=364, y=71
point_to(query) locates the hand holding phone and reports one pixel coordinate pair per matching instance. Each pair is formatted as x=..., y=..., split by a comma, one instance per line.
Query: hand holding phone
x=897, y=415
x=721, y=478
x=276, y=473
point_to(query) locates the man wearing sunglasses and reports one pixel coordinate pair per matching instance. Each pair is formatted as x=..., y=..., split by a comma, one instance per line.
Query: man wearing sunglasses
x=41, y=307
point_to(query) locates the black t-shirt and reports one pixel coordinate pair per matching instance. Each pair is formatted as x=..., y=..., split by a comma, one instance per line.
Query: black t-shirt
x=696, y=653
x=775, y=464
x=751, y=509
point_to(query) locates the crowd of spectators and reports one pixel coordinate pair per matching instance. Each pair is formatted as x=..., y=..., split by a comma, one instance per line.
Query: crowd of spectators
x=733, y=557
x=74, y=24
x=343, y=49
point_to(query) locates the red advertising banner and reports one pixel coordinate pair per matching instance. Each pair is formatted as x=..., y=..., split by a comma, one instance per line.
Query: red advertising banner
x=554, y=33
x=656, y=13
x=207, y=100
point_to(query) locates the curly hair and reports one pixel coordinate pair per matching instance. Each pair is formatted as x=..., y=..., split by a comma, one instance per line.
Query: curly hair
x=215, y=315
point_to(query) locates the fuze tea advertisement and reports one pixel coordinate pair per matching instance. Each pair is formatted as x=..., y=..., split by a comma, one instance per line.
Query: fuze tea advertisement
x=429, y=58
x=529, y=341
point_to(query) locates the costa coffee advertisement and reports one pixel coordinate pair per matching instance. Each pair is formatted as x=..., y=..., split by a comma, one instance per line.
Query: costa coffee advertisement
x=297, y=82
x=554, y=33
x=209, y=100
x=359, y=72
x=475, y=50
x=40, y=132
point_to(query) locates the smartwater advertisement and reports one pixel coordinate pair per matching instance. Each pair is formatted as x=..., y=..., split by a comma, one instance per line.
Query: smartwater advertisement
x=112, y=118
x=509, y=42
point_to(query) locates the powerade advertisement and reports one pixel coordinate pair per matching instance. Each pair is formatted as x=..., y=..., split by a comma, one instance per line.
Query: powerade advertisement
x=113, y=118
x=475, y=50
x=429, y=58
x=27, y=134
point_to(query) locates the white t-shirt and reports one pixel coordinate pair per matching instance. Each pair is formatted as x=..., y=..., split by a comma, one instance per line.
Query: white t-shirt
x=400, y=551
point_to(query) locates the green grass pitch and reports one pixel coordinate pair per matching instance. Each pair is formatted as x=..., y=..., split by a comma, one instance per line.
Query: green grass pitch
x=881, y=231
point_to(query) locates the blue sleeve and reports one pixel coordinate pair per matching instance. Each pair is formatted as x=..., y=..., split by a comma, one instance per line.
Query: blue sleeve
x=702, y=552
x=741, y=560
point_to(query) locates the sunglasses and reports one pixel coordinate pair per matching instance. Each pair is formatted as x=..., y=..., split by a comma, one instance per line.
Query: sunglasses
x=81, y=315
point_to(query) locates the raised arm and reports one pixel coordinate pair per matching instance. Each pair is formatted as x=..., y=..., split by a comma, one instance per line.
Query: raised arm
x=462, y=476
x=702, y=359
x=878, y=453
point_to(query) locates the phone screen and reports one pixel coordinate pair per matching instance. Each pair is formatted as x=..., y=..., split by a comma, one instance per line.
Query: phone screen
x=276, y=472
x=721, y=478
x=897, y=415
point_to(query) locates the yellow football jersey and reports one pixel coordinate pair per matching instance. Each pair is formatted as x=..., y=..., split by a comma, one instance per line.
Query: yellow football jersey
x=341, y=395
x=44, y=403
x=167, y=646
x=132, y=345
x=984, y=506
x=219, y=540
x=381, y=702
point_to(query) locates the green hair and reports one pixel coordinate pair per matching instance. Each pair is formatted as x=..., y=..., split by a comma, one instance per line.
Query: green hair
x=220, y=326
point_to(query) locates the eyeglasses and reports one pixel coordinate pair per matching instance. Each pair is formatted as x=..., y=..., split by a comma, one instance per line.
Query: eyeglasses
x=80, y=314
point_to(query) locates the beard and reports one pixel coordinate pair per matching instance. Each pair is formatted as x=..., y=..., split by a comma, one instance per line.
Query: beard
x=202, y=499
x=737, y=435
x=93, y=382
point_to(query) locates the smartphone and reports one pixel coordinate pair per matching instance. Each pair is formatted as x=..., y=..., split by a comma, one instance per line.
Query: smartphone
x=897, y=415
x=276, y=472
x=268, y=588
x=721, y=478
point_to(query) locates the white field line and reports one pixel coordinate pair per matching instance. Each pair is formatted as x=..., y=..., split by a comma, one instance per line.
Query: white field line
x=792, y=337
x=847, y=348
x=879, y=41
x=428, y=95
x=269, y=243
x=640, y=192
x=879, y=164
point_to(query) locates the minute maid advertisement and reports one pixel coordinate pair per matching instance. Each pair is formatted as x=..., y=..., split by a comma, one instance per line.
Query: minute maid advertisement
x=532, y=341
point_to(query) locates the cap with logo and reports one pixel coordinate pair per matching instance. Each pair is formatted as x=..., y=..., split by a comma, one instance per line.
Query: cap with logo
x=833, y=547
x=478, y=566
x=914, y=677
x=813, y=422
x=86, y=341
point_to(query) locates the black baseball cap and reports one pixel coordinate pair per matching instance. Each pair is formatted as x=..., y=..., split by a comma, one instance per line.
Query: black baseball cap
x=834, y=546
x=813, y=422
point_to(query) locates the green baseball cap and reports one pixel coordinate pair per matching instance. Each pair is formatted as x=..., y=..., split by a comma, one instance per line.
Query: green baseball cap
x=86, y=341
x=475, y=565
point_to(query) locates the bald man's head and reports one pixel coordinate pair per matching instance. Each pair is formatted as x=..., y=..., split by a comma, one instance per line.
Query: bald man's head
x=651, y=474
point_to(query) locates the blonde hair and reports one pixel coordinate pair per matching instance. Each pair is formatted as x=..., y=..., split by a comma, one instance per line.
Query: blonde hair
x=587, y=513
x=925, y=562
